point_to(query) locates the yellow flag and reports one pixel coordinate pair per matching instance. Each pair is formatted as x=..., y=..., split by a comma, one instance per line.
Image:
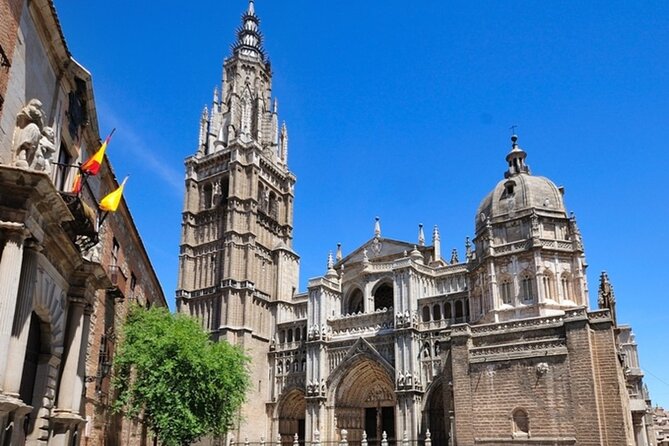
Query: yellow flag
x=110, y=202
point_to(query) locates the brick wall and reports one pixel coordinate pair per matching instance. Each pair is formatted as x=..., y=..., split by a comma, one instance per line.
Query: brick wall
x=10, y=11
x=564, y=374
x=123, y=256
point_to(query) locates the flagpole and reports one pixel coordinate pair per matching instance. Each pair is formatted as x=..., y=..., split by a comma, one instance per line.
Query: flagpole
x=102, y=220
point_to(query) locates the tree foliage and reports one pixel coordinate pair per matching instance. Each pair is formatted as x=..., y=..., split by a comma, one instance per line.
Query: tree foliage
x=184, y=385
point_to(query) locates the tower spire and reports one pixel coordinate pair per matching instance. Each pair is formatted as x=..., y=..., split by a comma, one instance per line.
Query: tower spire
x=421, y=235
x=249, y=37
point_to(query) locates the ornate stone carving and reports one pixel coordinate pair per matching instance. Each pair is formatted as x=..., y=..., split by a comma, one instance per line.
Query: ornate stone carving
x=542, y=368
x=28, y=133
x=45, y=150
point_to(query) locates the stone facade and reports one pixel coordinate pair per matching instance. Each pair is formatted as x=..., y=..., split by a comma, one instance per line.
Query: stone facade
x=395, y=342
x=64, y=269
x=661, y=426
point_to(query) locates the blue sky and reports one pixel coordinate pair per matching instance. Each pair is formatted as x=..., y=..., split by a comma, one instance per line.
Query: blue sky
x=402, y=110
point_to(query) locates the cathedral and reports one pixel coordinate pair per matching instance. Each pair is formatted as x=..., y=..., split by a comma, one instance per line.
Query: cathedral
x=396, y=344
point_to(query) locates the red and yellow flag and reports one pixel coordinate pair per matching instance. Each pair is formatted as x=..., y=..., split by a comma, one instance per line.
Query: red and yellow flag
x=93, y=164
x=76, y=185
x=110, y=202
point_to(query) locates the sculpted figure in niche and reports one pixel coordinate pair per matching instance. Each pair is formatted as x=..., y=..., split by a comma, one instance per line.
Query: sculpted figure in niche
x=45, y=150
x=28, y=132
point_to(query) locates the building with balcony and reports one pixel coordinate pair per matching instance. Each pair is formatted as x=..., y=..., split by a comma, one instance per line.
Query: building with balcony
x=66, y=273
x=395, y=341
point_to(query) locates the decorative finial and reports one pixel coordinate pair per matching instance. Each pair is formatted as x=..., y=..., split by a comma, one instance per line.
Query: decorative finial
x=513, y=131
x=331, y=273
x=339, y=254
x=215, y=95
x=251, y=10
x=468, y=249
x=275, y=106
x=377, y=227
x=606, y=297
x=454, y=256
x=436, y=243
x=421, y=235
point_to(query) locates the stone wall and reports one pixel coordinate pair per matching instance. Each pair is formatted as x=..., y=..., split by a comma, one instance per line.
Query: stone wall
x=551, y=379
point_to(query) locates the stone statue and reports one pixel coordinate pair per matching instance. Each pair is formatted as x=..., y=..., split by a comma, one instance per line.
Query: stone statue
x=45, y=150
x=28, y=132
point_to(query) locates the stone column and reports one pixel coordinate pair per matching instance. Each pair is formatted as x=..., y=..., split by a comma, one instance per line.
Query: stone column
x=69, y=386
x=19, y=338
x=67, y=416
x=10, y=274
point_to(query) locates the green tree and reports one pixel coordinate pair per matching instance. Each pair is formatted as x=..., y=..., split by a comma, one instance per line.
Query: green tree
x=184, y=385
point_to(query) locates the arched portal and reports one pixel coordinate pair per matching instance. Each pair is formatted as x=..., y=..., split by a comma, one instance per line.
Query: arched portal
x=365, y=400
x=435, y=414
x=291, y=413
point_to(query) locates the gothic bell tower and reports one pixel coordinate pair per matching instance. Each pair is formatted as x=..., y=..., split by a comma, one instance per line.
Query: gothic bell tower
x=236, y=261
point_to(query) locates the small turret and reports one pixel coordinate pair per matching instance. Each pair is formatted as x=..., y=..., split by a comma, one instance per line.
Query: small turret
x=339, y=254
x=516, y=159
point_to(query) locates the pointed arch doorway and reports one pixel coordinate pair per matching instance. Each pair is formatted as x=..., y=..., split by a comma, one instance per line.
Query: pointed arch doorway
x=365, y=401
x=292, y=410
x=435, y=413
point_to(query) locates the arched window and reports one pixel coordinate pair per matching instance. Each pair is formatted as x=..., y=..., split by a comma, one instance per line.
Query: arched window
x=505, y=291
x=354, y=302
x=298, y=334
x=447, y=311
x=521, y=423
x=290, y=336
x=436, y=312
x=383, y=297
x=527, y=288
x=565, y=284
x=426, y=313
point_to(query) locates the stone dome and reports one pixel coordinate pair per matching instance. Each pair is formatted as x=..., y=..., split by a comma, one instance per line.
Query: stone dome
x=520, y=191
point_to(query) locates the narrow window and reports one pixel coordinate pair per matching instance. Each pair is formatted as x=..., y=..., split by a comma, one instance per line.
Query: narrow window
x=527, y=289
x=436, y=311
x=566, y=287
x=549, y=286
x=505, y=291
x=426, y=314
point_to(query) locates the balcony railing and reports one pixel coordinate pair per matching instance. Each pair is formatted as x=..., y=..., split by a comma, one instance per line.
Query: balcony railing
x=83, y=230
